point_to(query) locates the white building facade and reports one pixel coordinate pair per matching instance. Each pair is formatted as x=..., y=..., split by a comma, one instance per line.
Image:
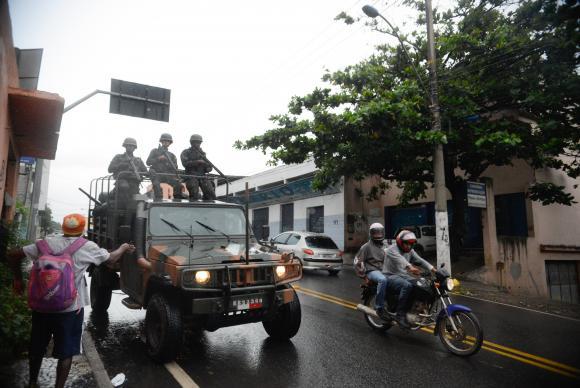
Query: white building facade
x=282, y=199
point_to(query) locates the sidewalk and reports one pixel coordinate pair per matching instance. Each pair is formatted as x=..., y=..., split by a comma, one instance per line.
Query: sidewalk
x=16, y=375
x=86, y=371
x=492, y=293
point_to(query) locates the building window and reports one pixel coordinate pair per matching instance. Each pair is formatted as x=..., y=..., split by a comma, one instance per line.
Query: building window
x=562, y=277
x=287, y=217
x=510, y=215
x=315, y=217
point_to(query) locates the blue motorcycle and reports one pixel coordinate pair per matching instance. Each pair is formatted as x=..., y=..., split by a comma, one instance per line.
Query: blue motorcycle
x=430, y=307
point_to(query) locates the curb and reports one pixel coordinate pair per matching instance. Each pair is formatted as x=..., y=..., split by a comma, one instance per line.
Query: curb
x=99, y=372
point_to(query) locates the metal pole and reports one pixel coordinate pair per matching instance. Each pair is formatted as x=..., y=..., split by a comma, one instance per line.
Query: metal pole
x=247, y=223
x=81, y=100
x=441, y=219
x=405, y=51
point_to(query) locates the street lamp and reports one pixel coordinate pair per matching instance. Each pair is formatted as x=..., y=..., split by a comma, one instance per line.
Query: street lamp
x=441, y=218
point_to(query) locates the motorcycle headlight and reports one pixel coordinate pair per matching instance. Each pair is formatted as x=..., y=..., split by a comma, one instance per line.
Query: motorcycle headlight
x=449, y=284
x=202, y=277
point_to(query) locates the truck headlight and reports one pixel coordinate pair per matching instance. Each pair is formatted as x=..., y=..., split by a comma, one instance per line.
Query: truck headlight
x=202, y=277
x=280, y=271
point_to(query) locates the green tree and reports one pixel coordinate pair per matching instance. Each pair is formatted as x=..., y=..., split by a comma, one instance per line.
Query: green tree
x=502, y=64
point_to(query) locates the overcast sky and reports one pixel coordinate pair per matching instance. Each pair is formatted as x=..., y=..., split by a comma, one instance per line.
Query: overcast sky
x=230, y=65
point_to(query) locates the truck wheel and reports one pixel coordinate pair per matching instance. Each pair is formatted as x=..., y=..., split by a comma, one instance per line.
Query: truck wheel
x=163, y=329
x=100, y=296
x=286, y=321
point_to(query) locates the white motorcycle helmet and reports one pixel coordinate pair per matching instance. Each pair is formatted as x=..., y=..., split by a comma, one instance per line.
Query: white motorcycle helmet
x=377, y=232
x=405, y=240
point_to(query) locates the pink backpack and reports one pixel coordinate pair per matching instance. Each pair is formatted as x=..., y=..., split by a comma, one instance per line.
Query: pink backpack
x=52, y=279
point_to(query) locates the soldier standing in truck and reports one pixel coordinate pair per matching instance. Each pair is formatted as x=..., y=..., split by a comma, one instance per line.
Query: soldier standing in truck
x=197, y=165
x=127, y=170
x=163, y=168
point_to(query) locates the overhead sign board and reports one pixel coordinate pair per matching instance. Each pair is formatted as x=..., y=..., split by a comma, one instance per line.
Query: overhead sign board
x=476, y=195
x=138, y=100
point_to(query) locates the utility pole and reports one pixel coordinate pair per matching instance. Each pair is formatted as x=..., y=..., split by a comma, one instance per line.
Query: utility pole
x=441, y=219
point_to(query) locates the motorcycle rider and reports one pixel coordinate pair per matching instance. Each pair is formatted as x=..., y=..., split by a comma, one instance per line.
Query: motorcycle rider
x=162, y=161
x=401, y=267
x=372, y=258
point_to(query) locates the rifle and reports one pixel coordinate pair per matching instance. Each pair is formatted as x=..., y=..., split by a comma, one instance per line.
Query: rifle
x=173, y=166
x=134, y=168
x=90, y=197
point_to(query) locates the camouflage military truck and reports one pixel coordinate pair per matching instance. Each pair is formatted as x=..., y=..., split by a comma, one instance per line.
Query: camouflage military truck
x=206, y=269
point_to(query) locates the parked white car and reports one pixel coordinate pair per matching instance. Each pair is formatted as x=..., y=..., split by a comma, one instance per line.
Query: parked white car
x=426, y=243
x=316, y=251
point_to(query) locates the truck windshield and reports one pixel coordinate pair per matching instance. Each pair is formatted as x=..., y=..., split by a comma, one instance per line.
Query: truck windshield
x=193, y=220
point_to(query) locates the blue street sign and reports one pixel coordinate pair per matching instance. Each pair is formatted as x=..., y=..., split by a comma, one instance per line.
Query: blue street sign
x=476, y=195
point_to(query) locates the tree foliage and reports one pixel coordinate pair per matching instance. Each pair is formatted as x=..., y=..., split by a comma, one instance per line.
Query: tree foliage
x=502, y=64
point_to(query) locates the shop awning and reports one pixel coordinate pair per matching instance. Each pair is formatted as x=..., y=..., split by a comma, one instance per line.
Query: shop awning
x=35, y=120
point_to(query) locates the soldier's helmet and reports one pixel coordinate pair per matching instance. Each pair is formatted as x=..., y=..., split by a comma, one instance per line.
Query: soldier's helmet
x=195, y=137
x=165, y=137
x=130, y=141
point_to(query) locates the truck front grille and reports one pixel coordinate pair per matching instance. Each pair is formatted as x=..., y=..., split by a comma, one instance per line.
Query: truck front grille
x=253, y=276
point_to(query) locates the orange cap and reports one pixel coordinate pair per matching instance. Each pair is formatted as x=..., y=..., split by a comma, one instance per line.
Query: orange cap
x=73, y=224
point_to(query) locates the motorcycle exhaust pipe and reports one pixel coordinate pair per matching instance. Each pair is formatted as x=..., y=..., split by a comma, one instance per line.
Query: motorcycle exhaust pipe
x=367, y=310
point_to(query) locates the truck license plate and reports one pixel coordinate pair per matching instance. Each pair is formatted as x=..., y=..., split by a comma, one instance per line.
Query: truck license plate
x=247, y=304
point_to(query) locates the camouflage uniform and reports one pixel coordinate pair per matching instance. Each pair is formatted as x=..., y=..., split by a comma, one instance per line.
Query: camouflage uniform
x=162, y=161
x=193, y=159
x=127, y=180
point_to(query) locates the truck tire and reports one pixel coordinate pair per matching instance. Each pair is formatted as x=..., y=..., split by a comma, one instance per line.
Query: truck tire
x=286, y=321
x=163, y=329
x=100, y=296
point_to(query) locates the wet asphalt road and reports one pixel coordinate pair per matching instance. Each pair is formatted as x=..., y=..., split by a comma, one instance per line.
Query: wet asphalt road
x=336, y=348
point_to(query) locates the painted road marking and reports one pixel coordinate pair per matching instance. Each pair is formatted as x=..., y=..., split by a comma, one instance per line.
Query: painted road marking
x=515, y=354
x=180, y=376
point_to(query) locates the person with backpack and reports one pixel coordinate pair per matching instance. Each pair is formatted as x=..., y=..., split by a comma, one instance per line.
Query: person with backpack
x=57, y=291
x=369, y=260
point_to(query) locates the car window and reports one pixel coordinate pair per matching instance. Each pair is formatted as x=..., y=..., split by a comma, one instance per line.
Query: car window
x=281, y=239
x=293, y=240
x=320, y=242
x=428, y=231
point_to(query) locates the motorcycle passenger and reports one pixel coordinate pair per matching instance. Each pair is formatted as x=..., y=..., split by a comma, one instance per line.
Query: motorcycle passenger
x=372, y=257
x=401, y=267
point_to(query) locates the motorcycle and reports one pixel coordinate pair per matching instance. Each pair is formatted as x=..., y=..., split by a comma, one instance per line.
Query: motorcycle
x=456, y=325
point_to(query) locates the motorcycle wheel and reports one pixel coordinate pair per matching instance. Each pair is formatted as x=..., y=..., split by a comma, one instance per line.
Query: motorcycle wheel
x=469, y=336
x=375, y=323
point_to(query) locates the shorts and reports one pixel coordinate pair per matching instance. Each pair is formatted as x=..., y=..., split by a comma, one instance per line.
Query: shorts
x=65, y=328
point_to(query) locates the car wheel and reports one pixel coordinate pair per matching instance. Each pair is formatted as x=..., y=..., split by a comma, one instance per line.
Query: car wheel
x=163, y=329
x=286, y=321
